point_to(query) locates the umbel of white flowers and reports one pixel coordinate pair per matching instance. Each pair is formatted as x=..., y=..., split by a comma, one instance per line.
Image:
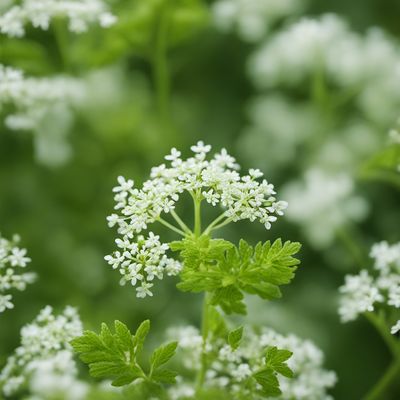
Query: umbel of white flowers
x=79, y=13
x=142, y=257
x=13, y=261
x=361, y=293
x=231, y=367
x=44, y=363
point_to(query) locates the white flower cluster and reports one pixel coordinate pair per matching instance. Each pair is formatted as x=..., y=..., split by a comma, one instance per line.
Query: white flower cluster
x=252, y=18
x=326, y=45
x=79, y=13
x=230, y=367
x=44, y=361
x=32, y=97
x=216, y=181
x=322, y=204
x=361, y=292
x=13, y=259
x=142, y=261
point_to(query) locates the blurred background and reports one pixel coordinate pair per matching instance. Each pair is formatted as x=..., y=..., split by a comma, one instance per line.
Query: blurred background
x=304, y=90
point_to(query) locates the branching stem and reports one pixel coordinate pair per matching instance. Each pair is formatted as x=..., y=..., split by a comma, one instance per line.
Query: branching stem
x=180, y=222
x=170, y=226
x=381, y=387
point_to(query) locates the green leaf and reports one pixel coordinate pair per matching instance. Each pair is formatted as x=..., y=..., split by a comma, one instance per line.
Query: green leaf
x=114, y=355
x=111, y=355
x=163, y=354
x=230, y=299
x=268, y=381
x=164, y=376
x=235, y=337
x=140, y=335
x=276, y=359
x=383, y=166
x=217, y=266
x=123, y=334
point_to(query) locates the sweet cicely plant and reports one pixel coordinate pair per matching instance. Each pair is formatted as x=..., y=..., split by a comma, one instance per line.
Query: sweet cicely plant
x=222, y=271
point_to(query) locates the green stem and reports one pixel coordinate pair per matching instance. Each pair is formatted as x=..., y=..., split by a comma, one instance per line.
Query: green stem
x=226, y=222
x=180, y=222
x=381, y=387
x=197, y=215
x=160, y=63
x=349, y=243
x=213, y=223
x=204, y=333
x=380, y=325
x=62, y=40
x=170, y=226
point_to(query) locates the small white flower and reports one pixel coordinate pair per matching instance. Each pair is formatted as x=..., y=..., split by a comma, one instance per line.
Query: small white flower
x=255, y=173
x=17, y=257
x=395, y=328
x=174, y=155
x=200, y=147
x=124, y=185
x=5, y=302
x=115, y=260
x=144, y=290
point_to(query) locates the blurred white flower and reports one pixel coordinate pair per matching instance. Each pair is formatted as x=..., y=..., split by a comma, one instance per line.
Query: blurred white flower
x=31, y=96
x=43, y=105
x=366, y=66
x=277, y=128
x=322, y=203
x=79, y=13
x=252, y=18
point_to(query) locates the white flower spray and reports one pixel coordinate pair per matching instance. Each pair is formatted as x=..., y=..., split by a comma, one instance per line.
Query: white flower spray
x=44, y=360
x=79, y=13
x=140, y=257
x=13, y=262
x=364, y=292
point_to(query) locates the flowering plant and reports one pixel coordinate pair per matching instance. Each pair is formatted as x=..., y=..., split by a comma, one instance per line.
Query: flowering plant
x=223, y=357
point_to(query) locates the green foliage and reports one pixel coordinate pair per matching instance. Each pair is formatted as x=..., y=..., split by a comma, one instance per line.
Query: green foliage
x=235, y=337
x=115, y=355
x=275, y=363
x=140, y=24
x=217, y=266
x=384, y=166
